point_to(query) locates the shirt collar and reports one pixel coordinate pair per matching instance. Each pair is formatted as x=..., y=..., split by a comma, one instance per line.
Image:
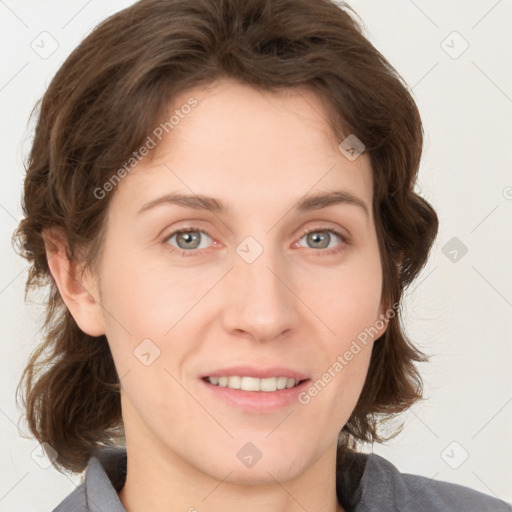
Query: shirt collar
x=104, y=478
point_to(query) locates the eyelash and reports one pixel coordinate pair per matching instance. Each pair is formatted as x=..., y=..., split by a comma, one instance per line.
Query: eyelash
x=197, y=252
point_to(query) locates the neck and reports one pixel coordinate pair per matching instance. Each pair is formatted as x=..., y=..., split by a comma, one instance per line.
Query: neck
x=164, y=482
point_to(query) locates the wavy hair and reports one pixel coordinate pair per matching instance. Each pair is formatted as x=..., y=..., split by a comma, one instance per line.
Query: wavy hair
x=100, y=107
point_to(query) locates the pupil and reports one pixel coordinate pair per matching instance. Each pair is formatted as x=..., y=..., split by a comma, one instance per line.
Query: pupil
x=315, y=237
x=190, y=237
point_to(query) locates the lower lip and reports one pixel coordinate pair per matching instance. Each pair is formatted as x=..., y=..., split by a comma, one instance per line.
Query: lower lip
x=257, y=401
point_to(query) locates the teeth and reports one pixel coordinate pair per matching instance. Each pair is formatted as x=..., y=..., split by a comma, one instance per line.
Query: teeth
x=249, y=384
x=281, y=382
x=234, y=382
x=253, y=383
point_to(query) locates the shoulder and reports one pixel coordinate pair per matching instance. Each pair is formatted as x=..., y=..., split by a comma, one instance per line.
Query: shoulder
x=104, y=477
x=74, y=502
x=384, y=487
x=449, y=496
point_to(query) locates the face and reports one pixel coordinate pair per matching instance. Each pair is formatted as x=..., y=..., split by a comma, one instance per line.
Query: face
x=262, y=284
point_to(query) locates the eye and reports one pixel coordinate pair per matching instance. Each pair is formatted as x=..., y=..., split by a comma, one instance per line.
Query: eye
x=321, y=239
x=187, y=240
x=190, y=241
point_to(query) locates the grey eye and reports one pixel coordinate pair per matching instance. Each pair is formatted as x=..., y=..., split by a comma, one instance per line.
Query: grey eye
x=190, y=239
x=320, y=238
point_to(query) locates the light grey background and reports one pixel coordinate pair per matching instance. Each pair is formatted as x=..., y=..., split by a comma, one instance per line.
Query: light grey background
x=459, y=312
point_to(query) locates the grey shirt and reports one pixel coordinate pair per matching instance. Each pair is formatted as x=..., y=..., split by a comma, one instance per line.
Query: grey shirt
x=364, y=483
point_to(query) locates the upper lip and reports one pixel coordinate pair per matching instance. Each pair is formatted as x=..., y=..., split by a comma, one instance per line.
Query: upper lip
x=260, y=373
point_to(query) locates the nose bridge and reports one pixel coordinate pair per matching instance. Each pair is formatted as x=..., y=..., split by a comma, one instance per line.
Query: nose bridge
x=258, y=265
x=261, y=302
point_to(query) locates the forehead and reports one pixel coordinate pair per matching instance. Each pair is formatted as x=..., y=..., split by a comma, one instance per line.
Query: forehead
x=239, y=142
x=229, y=112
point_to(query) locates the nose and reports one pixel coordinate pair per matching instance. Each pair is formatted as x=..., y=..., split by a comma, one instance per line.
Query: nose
x=260, y=300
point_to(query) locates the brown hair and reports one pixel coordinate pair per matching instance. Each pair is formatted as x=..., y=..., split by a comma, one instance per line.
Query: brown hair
x=100, y=107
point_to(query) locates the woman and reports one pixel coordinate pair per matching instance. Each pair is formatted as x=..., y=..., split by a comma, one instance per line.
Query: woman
x=220, y=196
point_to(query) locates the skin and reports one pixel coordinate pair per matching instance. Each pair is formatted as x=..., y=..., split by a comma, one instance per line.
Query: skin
x=295, y=305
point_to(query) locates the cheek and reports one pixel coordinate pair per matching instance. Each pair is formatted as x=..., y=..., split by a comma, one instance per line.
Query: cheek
x=148, y=298
x=332, y=397
x=349, y=305
x=148, y=308
x=349, y=300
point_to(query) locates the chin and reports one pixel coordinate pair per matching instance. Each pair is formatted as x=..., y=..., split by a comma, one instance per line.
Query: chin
x=266, y=470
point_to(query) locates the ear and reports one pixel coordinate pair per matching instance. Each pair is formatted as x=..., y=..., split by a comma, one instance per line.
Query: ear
x=387, y=311
x=79, y=292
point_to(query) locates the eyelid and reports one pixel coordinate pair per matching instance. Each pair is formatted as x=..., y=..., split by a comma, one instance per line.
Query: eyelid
x=336, y=230
x=345, y=238
x=185, y=230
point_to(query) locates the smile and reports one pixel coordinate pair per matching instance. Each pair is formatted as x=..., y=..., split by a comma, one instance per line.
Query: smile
x=253, y=383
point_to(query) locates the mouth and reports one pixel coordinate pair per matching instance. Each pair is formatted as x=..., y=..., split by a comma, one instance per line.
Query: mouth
x=254, y=384
x=252, y=394
x=255, y=388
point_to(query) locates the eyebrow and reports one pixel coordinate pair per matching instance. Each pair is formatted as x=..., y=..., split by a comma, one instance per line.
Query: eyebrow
x=309, y=203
